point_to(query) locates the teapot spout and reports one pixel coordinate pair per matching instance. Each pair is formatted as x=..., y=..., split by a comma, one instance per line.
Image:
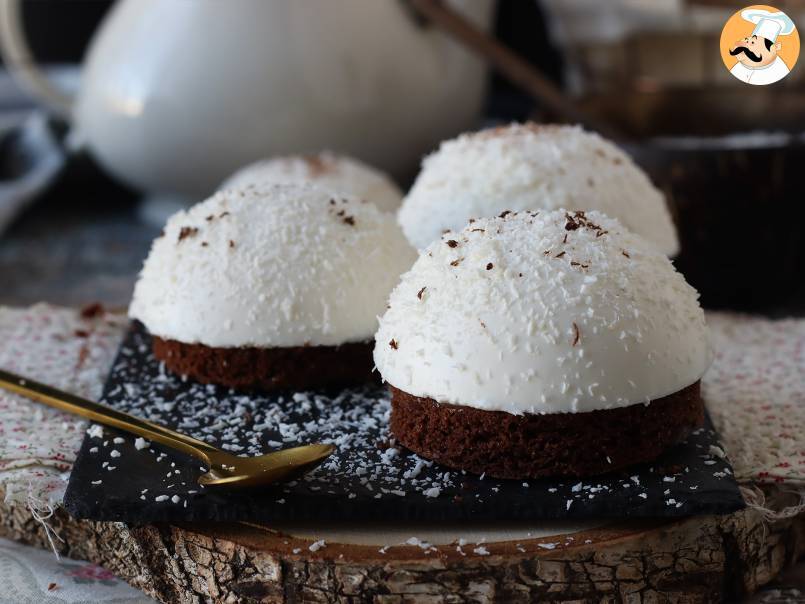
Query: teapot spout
x=480, y=12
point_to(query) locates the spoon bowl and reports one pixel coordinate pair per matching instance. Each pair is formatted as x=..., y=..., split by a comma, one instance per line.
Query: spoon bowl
x=232, y=471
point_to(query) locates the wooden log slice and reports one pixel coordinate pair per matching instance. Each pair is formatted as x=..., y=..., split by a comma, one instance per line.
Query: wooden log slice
x=702, y=559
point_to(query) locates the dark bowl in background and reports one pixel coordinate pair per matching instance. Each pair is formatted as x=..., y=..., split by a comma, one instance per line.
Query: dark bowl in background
x=732, y=165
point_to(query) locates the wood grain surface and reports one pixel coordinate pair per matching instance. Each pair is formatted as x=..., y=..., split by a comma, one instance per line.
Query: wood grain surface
x=701, y=559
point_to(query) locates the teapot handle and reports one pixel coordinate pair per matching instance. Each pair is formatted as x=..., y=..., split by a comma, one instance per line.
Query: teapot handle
x=21, y=65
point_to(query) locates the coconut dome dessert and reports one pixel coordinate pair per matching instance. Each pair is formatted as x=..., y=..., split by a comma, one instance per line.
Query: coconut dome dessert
x=326, y=170
x=532, y=167
x=271, y=287
x=542, y=343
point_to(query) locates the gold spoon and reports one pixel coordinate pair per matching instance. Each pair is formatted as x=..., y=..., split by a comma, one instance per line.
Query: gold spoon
x=225, y=469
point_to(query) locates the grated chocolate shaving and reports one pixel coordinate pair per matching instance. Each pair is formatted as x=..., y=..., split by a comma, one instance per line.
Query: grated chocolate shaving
x=317, y=165
x=186, y=232
x=578, y=220
x=576, y=334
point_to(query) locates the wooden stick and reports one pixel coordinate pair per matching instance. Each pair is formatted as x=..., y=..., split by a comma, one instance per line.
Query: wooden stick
x=518, y=71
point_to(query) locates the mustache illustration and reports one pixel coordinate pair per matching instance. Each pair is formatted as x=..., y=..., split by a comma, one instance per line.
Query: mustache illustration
x=743, y=49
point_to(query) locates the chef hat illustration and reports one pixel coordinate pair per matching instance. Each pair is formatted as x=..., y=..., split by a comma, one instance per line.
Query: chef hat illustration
x=768, y=25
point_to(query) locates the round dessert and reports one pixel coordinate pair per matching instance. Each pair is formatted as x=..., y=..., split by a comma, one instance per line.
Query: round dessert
x=532, y=167
x=326, y=170
x=542, y=343
x=271, y=287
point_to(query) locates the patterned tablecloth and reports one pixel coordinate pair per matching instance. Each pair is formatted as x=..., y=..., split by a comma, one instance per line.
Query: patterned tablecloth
x=72, y=350
x=35, y=576
x=755, y=391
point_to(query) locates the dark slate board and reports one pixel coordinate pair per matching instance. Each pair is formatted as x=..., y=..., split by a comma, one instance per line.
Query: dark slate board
x=366, y=479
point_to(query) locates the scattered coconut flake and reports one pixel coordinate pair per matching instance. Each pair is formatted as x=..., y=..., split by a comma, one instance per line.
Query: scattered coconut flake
x=95, y=431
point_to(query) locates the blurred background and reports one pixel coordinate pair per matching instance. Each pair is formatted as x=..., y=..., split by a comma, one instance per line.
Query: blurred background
x=124, y=123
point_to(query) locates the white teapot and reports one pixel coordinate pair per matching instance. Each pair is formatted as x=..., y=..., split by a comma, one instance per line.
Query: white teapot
x=176, y=94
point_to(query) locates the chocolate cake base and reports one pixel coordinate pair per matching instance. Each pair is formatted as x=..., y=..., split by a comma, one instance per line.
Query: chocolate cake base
x=282, y=368
x=503, y=445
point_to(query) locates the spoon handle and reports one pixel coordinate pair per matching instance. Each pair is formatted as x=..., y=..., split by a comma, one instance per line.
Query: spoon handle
x=103, y=414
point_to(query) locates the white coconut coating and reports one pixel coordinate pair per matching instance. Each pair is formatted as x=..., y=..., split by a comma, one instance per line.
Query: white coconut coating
x=271, y=266
x=326, y=170
x=532, y=167
x=546, y=312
